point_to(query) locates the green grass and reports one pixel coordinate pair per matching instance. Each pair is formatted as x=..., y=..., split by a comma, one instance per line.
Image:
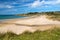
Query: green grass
x=54, y=17
x=38, y=35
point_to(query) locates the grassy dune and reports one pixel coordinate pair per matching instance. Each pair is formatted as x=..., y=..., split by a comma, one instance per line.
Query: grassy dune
x=51, y=34
x=38, y=35
x=55, y=15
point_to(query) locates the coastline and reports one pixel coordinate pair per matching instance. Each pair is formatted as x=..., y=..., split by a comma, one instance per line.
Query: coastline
x=30, y=24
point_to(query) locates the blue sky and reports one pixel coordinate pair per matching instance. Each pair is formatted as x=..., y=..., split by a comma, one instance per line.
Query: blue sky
x=24, y=6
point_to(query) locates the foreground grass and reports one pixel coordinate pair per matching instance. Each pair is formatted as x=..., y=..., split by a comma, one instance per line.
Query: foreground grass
x=38, y=35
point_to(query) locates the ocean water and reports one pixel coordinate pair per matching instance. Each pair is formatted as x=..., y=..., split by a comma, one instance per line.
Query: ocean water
x=2, y=17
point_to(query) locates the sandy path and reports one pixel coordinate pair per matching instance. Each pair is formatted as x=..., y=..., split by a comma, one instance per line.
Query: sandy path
x=41, y=22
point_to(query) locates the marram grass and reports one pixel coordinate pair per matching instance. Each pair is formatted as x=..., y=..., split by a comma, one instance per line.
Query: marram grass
x=38, y=35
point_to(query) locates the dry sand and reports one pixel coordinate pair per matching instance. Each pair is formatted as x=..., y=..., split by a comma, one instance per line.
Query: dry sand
x=19, y=26
x=40, y=20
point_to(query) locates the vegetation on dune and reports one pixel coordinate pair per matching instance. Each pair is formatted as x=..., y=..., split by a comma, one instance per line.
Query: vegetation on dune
x=40, y=13
x=51, y=15
x=38, y=35
x=53, y=34
x=54, y=15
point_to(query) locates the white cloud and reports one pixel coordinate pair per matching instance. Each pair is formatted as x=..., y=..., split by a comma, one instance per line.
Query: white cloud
x=38, y=3
x=5, y=6
x=35, y=3
x=9, y=6
x=52, y=2
x=58, y=1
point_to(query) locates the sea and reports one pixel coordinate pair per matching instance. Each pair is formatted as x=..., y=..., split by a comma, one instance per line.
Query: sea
x=3, y=17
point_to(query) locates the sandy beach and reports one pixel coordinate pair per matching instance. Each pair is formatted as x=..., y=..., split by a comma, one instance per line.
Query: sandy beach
x=19, y=26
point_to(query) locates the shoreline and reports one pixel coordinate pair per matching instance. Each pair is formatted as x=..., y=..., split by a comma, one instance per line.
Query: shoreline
x=31, y=24
x=30, y=20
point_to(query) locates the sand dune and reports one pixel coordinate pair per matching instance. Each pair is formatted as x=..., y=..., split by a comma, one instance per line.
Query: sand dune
x=37, y=21
x=19, y=26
